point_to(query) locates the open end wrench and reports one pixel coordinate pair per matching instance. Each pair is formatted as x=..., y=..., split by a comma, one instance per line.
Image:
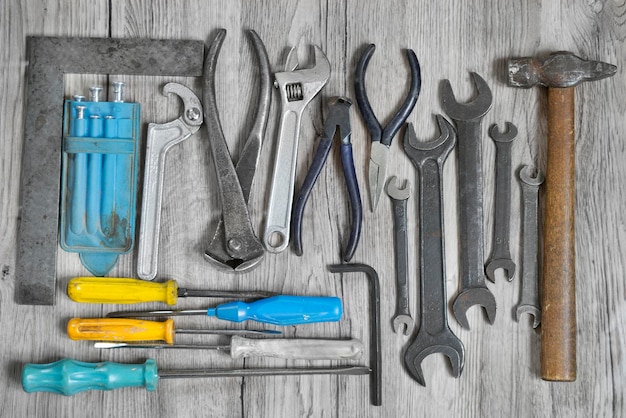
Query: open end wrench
x=218, y=252
x=529, y=299
x=297, y=89
x=501, y=255
x=467, y=117
x=434, y=334
x=161, y=137
x=240, y=243
x=402, y=319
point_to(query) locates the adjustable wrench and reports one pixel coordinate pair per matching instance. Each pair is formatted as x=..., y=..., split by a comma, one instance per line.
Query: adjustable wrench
x=434, y=335
x=297, y=89
x=399, y=196
x=529, y=299
x=501, y=255
x=467, y=117
x=161, y=137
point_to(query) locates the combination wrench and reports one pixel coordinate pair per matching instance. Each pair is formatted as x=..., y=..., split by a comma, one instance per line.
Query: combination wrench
x=468, y=117
x=434, y=335
x=501, y=254
x=529, y=299
x=297, y=89
x=161, y=137
x=399, y=196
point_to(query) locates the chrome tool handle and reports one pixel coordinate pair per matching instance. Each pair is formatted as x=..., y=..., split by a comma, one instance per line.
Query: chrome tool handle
x=276, y=237
x=296, y=348
x=160, y=139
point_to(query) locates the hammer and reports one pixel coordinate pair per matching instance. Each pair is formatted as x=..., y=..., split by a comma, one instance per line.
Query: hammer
x=560, y=72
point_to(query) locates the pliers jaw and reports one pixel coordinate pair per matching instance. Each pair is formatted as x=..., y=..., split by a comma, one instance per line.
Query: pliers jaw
x=377, y=172
x=338, y=120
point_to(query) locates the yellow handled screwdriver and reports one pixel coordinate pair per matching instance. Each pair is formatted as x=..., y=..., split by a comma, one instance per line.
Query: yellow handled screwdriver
x=126, y=329
x=126, y=290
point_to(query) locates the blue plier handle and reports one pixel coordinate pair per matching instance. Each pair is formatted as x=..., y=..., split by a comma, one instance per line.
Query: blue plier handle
x=338, y=120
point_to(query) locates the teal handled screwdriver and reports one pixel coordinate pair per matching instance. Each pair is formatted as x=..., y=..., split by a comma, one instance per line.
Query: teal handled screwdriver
x=276, y=310
x=68, y=376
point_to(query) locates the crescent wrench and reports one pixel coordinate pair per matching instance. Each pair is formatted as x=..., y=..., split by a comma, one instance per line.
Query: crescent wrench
x=297, y=88
x=161, y=137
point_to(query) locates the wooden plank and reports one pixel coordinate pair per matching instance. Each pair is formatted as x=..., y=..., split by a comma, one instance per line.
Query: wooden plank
x=450, y=39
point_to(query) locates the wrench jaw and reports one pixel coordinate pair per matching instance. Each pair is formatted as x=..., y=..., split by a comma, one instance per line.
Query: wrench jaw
x=440, y=148
x=404, y=324
x=531, y=310
x=500, y=263
x=192, y=116
x=508, y=135
x=445, y=343
x=473, y=110
x=299, y=86
x=474, y=296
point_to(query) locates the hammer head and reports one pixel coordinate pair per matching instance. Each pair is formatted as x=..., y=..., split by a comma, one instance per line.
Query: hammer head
x=560, y=69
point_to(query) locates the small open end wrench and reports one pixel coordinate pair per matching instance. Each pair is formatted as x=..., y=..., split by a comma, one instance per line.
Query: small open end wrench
x=468, y=117
x=402, y=319
x=297, y=89
x=529, y=299
x=161, y=137
x=434, y=335
x=501, y=255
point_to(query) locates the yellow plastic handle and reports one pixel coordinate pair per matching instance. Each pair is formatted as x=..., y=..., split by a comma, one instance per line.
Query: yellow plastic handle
x=121, y=290
x=120, y=329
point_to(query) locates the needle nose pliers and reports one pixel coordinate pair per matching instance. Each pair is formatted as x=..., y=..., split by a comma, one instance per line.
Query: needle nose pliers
x=338, y=121
x=381, y=137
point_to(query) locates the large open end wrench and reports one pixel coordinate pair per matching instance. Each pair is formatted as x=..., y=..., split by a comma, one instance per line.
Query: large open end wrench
x=235, y=247
x=297, y=89
x=402, y=319
x=501, y=254
x=529, y=299
x=467, y=117
x=434, y=335
x=161, y=137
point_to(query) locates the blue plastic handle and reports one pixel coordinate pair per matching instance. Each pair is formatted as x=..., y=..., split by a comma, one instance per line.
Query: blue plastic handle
x=68, y=377
x=282, y=310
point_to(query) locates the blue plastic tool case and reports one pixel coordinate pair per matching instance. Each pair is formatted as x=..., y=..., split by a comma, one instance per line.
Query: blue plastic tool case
x=100, y=165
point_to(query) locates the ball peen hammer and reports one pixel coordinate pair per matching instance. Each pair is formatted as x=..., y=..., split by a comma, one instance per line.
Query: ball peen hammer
x=560, y=72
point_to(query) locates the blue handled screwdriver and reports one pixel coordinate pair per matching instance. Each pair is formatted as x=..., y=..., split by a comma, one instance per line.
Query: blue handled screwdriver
x=68, y=376
x=276, y=310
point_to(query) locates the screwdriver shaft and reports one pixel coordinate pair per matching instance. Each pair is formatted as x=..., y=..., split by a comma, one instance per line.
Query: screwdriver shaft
x=347, y=370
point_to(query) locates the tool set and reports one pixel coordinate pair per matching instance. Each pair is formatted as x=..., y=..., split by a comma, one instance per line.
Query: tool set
x=98, y=158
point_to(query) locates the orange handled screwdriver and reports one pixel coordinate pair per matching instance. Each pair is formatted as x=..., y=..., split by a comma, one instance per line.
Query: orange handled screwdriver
x=125, y=291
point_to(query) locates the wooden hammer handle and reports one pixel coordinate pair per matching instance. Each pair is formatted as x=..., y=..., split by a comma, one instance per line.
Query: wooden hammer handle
x=558, y=313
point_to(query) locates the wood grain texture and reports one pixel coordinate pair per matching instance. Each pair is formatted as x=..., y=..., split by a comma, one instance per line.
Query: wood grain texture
x=450, y=38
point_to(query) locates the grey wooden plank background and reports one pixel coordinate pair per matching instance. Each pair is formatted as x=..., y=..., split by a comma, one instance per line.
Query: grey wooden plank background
x=450, y=38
